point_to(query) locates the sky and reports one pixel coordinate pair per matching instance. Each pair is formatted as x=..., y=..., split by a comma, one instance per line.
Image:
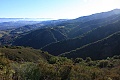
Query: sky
x=55, y=9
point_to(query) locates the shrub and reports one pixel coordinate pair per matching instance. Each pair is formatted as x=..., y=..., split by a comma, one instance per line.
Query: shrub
x=103, y=63
x=88, y=59
x=77, y=60
x=27, y=71
x=53, y=60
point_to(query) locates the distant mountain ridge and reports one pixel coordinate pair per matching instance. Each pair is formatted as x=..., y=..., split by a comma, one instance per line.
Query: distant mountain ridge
x=23, y=19
x=98, y=15
x=15, y=24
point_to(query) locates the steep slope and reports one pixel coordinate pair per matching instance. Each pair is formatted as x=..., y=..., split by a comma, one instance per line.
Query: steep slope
x=89, y=25
x=91, y=36
x=104, y=48
x=86, y=23
x=41, y=37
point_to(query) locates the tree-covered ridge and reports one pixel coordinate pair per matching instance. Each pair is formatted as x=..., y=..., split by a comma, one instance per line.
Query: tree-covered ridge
x=100, y=49
x=41, y=37
x=89, y=37
x=92, y=24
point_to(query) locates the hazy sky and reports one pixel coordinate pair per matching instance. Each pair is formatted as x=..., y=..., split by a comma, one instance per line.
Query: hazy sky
x=58, y=9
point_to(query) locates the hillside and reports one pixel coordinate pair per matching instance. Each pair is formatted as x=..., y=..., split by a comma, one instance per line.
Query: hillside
x=101, y=49
x=89, y=25
x=41, y=37
x=98, y=15
x=91, y=36
x=22, y=54
x=20, y=63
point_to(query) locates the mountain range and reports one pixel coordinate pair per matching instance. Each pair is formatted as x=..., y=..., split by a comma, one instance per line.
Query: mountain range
x=95, y=36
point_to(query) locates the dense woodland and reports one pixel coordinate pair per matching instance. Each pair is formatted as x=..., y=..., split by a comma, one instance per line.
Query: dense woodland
x=85, y=48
